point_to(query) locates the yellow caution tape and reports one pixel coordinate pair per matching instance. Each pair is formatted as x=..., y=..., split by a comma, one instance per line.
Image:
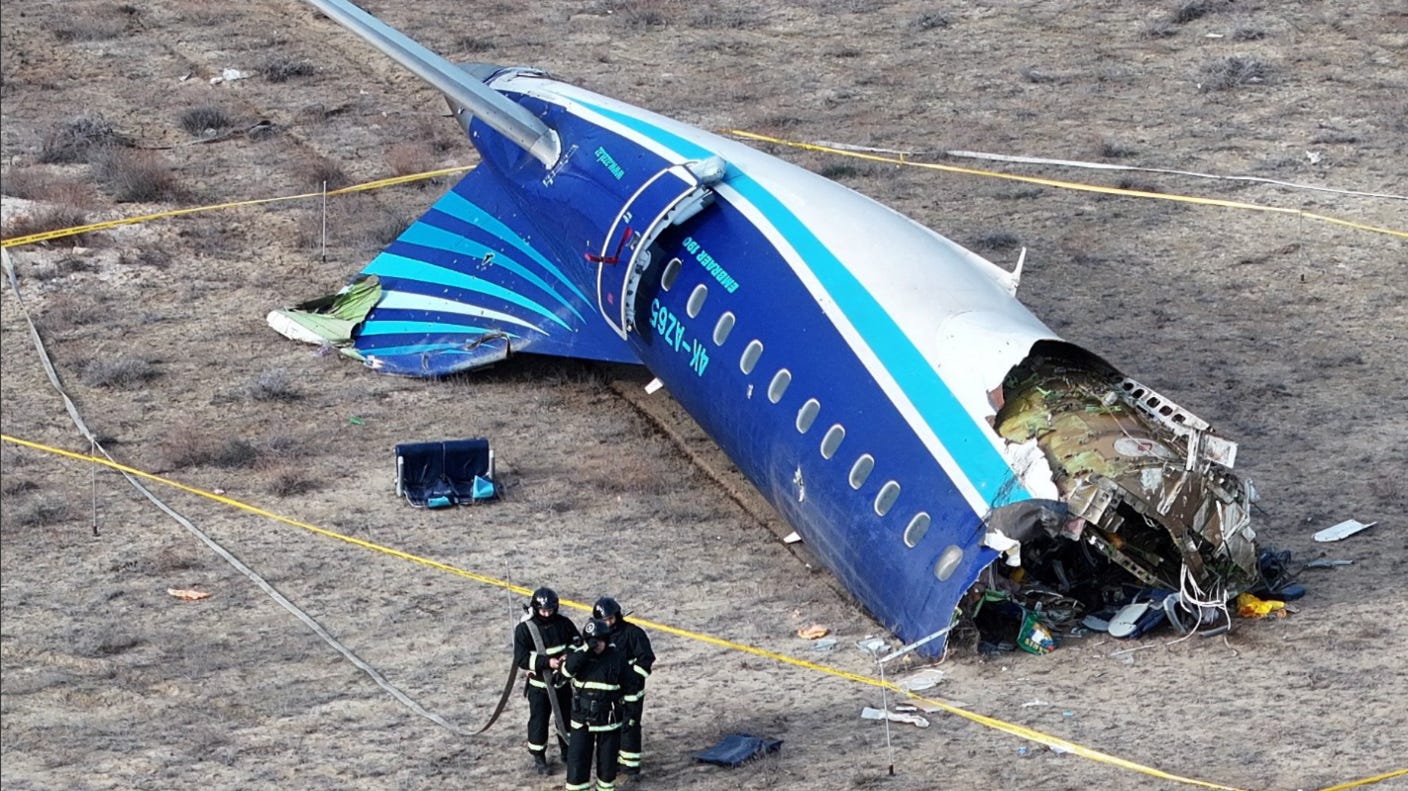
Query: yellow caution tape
x=1070, y=185
x=59, y=233
x=1056, y=743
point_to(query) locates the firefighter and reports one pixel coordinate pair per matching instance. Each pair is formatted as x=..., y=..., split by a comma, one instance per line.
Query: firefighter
x=540, y=643
x=632, y=641
x=600, y=677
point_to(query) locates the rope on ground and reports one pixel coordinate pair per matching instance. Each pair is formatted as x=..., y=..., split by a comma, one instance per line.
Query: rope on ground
x=1368, y=780
x=239, y=565
x=989, y=722
x=1070, y=185
x=1075, y=163
x=58, y=233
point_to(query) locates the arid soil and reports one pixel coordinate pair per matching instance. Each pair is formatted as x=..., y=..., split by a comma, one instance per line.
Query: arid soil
x=1288, y=333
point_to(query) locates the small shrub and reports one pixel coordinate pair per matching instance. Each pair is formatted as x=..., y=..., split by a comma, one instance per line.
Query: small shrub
x=44, y=512
x=185, y=444
x=49, y=218
x=405, y=159
x=40, y=185
x=1036, y=77
x=14, y=486
x=287, y=481
x=90, y=29
x=1189, y=10
x=274, y=384
x=150, y=257
x=118, y=372
x=205, y=121
x=997, y=240
x=932, y=20
x=74, y=140
x=317, y=171
x=840, y=170
x=475, y=44
x=1233, y=72
x=637, y=14
x=732, y=17
x=1160, y=28
x=233, y=454
x=135, y=176
x=1111, y=149
x=281, y=68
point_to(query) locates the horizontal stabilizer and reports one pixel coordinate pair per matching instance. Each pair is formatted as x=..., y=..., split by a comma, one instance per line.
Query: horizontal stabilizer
x=461, y=288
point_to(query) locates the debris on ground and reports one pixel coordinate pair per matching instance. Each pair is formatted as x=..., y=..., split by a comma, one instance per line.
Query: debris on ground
x=869, y=713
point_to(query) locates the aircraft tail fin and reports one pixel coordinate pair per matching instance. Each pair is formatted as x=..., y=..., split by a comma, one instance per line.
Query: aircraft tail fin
x=461, y=288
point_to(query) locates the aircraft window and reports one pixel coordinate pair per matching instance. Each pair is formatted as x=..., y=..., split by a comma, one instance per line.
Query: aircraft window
x=832, y=440
x=807, y=414
x=886, y=499
x=948, y=563
x=861, y=470
x=750, y=356
x=696, y=300
x=723, y=328
x=672, y=272
x=780, y=381
x=914, y=532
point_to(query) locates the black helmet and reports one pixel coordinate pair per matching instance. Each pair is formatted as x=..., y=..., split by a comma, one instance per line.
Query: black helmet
x=595, y=631
x=606, y=607
x=544, y=599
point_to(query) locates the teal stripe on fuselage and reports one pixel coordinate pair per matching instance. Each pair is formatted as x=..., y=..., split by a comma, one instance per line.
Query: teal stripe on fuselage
x=426, y=235
x=424, y=327
x=470, y=212
x=971, y=449
x=392, y=265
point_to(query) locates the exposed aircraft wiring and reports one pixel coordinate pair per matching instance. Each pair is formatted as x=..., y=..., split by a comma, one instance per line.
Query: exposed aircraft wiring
x=190, y=527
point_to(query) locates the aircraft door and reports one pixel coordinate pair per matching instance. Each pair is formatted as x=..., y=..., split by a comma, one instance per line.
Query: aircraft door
x=668, y=198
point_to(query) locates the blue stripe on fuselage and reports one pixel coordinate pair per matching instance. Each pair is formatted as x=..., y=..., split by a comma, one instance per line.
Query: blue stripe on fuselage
x=964, y=440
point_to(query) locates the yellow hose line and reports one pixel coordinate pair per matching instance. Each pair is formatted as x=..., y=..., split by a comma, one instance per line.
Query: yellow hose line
x=45, y=236
x=1015, y=730
x=1368, y=780
x=1070, y=185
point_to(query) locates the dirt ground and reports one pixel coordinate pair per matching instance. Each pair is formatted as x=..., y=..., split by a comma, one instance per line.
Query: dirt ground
x=1287, y=333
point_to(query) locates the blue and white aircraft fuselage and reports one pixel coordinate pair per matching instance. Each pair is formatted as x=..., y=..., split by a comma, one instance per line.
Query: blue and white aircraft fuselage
x=879, y=384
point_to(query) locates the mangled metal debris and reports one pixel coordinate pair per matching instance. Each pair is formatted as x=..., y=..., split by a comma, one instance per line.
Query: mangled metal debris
x=1144, y=499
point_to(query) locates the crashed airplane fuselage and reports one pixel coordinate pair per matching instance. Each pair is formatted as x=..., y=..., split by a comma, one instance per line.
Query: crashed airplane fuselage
x=878, y=383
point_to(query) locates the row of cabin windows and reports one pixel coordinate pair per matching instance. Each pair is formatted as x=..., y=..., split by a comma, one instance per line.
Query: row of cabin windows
x=806, y=415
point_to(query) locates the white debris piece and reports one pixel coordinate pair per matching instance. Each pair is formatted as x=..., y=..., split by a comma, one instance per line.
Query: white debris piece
x=1344, y=529
x=869, y=713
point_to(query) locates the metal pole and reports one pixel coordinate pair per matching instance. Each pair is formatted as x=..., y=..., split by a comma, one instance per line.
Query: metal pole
x=325, y=221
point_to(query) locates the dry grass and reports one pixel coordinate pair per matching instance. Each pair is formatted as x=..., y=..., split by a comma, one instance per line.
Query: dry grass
x=1233, y=71
x=75, y=140
x=404, y=159
x=135, y=176
x=321, y=173
x=43, y=220
x=281, y=68
x=121, y=373
x=274, y=384
x=205, y=121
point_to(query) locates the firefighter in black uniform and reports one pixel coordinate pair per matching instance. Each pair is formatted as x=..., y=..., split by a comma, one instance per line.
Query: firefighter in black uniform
x=542, y=664
x=632, y=641
x=600, y=677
